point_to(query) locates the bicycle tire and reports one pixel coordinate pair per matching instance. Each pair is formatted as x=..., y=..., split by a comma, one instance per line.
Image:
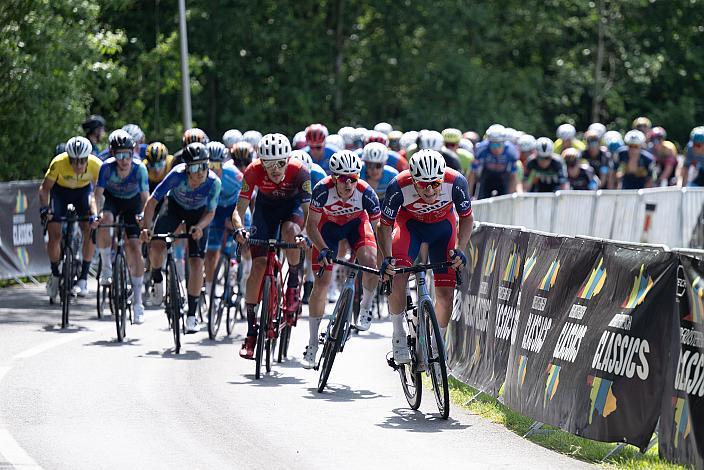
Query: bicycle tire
x=217, y=302
x=99, y=292
x=65, y=288
x=411, y=378
x=232, y=314
x=174, y=304
x=119, y=294
x=283, y=343
x=262, y=329
x=333, y=342
x=275, y=320
x=437, y=368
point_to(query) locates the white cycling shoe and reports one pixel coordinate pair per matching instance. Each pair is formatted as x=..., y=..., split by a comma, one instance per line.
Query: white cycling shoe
x=138, y=311
x=399, y=342
x=106, y=277
x=81, y=288
x=309, y=356
x=364, y=320
x=191, y=325
x=52, y=287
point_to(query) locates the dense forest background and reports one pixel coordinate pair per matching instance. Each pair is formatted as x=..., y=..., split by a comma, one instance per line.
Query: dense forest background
x=279, y=65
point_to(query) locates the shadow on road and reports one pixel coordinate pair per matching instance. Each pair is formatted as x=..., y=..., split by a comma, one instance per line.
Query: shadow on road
x=342, y=393
x=72, y=328
x=114, y=343
x=219, y=341
x=272, y=379
x=405, y=419
x=171, y=354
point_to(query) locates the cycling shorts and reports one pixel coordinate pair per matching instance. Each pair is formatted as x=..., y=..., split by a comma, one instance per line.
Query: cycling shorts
x=267, y=218
x=358, y=233
x=172, y=217
x=217, y=227
x=61, y=197
x=127, y=208
x=441, y=236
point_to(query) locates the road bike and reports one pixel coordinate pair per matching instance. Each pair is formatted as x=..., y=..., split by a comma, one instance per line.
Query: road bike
x=70, y=258
x=425, y=343
x=225, y=293
x=340, y=325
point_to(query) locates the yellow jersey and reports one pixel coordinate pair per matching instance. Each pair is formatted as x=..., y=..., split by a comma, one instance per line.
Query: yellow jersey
x=154, y=177
x=576, y=143
x=61, y=172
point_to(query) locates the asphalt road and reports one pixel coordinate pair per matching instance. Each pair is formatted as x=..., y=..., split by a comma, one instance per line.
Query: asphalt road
x=77, y=399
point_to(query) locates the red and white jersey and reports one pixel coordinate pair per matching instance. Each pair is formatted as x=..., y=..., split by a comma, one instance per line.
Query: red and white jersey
x=402, y=199
x=363, y=201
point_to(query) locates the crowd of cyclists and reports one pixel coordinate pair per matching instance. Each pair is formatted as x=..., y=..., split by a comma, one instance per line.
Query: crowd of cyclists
x=380, y=195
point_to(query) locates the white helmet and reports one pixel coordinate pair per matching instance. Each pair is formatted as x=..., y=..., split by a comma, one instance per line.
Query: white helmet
x=345, y=162
x=299, y=140
x=231, y=137
x=274, y=147
x=303, y=156
x=427, y=165
x=467, y=145
x=375, y=152
x=526, y=143
x=384, y=127
x=634, y=137
x=430, y=140
x=496, y=133
x=336, y=141
x=408, y=138
x=544, y=146
x=360, y=135
x=597, y=127
x=566, y=132
x=511, y=134
x=612, y=137
x=135, y=132
x=78, y=147
x=347, y=134
x=253, y=137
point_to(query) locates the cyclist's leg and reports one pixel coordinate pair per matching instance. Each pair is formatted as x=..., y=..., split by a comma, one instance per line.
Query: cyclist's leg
x=362, y=241
x=166, y=222
x=104, y=240
x=196, y=253
x=216, y=237
x=83, y=208
x=53, y=247
x=133, y=252
x=331, y=233
x=445, y=237
x=291, y=227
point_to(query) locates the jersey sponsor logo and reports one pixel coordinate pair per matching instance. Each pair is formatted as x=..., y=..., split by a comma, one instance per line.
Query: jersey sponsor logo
x=423, y=208
x=389, y=212
x=245, y=187
x=306, y=186
x=464, y=205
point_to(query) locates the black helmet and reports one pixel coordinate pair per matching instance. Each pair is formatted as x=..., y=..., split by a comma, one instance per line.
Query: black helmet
x=120, y=140
x=60, y=148
x=93, y=122
x=195, y=153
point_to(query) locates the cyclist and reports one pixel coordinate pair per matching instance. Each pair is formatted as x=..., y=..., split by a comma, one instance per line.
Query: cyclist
x=231, y=137
x=94, y=127
x=158, y=163
x=384, y=127
x=123, y=182
x=597, y=128
x=494, y=168
x=451, y=150
x=343, y=208
x=359, y=138
x=566, y=138
x=472, y=136
x=335, y=141
x=419, y=207
x=283, y=198
x=579, y=176
x=60, y=148
x=599, y=159
x=69, y=180
x=394, y=159
x=395, y=142
x=299, y=140
x=347, y=134
x=665, y=154
x=139, y=139
x=526, y=151
x=642, y=124
x=613, y=141
x=230, y=184
x=316, y=148
x=191, y=135
x=242, y=154
x=694, y=155
x=545, y=173
x=375, y=172
x=193, y=191
x=433, y=140
x=253, y=137
x=635, y=163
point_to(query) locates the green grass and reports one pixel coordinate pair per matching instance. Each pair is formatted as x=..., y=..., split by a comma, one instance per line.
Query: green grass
x=557, y=440
x=12, y=282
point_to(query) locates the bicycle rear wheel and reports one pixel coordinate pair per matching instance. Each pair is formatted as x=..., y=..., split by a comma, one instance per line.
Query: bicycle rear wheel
x=437, y=368
x=334, y=341
x=174, y=303
x=66, y=284
x=275, y=319
x=411, y=378
x=118, y=293
x=218, y=296
x=100, y=294
x=262, y=330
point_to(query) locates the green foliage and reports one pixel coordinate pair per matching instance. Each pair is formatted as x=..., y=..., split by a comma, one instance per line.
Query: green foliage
x=272, y=65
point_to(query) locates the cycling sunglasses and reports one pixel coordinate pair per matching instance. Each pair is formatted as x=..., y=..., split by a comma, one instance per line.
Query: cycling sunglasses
x=122, y=155
x=375, y=166
x=496, y=145
x=215, y=165
x=271, y=164
x=78, y=161
x=197, y=167
x=429, y=184
x=158, y=165
x=347, y=178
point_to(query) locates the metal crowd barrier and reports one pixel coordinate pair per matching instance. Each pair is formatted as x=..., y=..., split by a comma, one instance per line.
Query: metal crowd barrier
x=668, y=216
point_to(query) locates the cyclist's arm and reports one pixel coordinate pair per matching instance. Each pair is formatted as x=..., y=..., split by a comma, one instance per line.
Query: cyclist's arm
x=206, y=219
x=464, y=232
x=383, y=236
x=149, y=208
x=99, y=199
x=44, y=190
x=238, y=214
x=305, y=206
x=312, y=230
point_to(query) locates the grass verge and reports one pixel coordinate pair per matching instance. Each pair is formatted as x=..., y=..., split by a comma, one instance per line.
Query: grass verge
x=557, y=440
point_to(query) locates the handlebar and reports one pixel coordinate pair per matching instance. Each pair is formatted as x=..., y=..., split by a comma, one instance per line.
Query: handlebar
x=171, y=236
x=356, y=266
x=272, y=243
x=417, y=268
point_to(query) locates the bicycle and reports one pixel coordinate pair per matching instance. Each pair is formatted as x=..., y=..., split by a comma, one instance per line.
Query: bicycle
x=225, y=293
x=271, y=320
x=69, y=258
x=120, y=293
x=340, y=325
x=425, y=342
x=174, y=298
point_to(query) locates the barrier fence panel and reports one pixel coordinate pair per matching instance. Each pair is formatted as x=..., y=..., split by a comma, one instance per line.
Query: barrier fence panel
x=693, y=217
x=573, y=212
x=663, y=206
x=617, y=214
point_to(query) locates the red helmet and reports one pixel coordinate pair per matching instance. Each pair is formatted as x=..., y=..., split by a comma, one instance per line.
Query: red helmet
x=376, y=136
x=657, y=133
x=316, y=135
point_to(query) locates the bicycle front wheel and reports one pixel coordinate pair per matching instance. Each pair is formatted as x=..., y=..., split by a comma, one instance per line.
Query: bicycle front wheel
x=66, y=284
x=218, y=296
x=437, y=368
x=275, y=318
x=333, y=343
x=174, y=303
x=100, y=292
x=263, y=328
x=411, y=378
x=119, y=294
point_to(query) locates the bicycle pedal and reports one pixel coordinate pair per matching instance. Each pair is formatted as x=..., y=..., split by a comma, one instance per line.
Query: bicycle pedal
x=321, y=338
x=390, y=361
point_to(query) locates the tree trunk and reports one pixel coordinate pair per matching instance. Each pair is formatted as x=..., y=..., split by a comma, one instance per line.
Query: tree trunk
x=598, y=92
x=339, y=57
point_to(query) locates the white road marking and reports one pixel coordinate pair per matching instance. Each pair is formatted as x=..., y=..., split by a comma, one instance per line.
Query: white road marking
x=51, y=344
x=14, y=454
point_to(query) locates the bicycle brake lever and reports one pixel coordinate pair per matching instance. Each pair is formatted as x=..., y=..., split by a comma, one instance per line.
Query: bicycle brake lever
x=320, y=271
x=385, y=288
